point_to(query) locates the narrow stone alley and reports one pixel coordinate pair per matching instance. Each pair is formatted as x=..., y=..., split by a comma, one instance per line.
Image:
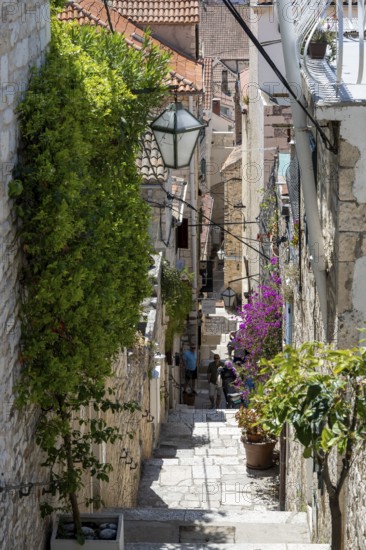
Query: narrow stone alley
x=197, y=493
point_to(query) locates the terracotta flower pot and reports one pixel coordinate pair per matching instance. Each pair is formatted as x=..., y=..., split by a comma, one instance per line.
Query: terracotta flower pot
x=259, y=455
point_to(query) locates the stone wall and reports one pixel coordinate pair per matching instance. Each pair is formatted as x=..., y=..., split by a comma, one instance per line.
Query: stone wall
x=234, y=221
x=265, y=133
x=25, y=33
x=342, y=206
x=141, y=375
x=137, y=429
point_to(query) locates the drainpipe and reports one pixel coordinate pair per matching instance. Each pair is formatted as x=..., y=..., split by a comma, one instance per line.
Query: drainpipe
x=192, y=167
x=316, y=244
x=284, y=438
x=244, y=140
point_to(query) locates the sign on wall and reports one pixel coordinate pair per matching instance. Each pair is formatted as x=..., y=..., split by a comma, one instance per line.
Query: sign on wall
x=219, y=325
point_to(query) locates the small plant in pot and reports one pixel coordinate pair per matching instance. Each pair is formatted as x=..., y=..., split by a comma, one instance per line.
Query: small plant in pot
x=188, y=397
x=321, y=39
x=249, y=421
x=70, y=441
x=258, y=442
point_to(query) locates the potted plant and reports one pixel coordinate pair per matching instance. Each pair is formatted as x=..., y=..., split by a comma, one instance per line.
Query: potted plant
x=319, y=42
x=189, y=397
x=69, y=442
x=258, y=442
x=321, y=393
x=101, y=531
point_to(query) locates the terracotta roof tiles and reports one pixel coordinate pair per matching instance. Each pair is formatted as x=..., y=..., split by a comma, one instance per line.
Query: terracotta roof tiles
x=158, y=11
x=150, y=162
x=207, y=80
x=185, y=74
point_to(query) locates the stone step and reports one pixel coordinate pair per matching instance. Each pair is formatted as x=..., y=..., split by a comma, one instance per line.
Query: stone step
x=200, y=527
x=244, y=546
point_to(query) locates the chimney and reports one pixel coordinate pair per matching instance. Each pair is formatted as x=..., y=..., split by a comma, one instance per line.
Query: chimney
x=216, y=106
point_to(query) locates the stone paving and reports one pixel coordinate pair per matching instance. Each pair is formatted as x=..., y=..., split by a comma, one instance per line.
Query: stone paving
x=197, y=494
x=200, y=464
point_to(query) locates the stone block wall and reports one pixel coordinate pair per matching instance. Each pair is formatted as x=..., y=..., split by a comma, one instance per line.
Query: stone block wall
x=265, y=132
x=133, y=383
x=234, y=223
x=342, y=203
x=25, y=33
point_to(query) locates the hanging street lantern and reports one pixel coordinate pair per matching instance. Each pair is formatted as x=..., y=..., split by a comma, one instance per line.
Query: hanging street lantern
x=221, y=254
x=229, y=297
x=176, y=132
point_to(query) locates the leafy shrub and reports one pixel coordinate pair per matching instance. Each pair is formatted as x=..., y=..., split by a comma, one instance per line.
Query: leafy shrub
x=83, y=235
x=177, y=296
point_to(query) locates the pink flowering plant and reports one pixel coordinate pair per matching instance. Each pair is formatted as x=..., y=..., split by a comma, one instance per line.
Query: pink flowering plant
x=260, y=332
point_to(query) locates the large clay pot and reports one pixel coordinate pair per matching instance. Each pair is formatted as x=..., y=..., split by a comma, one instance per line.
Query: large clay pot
x=259, y=455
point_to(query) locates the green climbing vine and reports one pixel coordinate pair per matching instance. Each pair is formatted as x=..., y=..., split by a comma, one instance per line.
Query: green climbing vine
x=84, y=236
x=177, y=297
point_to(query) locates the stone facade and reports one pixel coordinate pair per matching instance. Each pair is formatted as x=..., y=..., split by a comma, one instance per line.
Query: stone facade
x=342, y=204
x=25, y=33
x=141, y=374
x=265, y=133
x=234, y=221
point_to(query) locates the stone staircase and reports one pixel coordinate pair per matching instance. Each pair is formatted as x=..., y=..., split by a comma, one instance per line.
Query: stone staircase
x=196, y=493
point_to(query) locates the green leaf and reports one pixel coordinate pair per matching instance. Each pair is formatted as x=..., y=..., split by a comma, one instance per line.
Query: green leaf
x=15, y=188
x=307, y=452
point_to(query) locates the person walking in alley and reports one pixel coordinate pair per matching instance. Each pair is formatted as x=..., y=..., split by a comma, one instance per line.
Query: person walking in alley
x=214, y=389
x=229, y=377
x=190, y=365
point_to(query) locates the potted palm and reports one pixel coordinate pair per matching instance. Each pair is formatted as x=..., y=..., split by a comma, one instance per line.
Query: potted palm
x=258, y=443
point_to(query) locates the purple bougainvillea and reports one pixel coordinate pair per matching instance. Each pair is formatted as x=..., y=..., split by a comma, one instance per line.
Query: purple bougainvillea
x=260, y=332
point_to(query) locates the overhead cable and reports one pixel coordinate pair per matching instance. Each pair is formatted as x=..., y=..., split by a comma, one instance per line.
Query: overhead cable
x=330, y=146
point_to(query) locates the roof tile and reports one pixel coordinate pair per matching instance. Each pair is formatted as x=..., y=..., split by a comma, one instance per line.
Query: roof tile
x=158, y=11
x=150, y=162
x=221, y=34
x=185, y=74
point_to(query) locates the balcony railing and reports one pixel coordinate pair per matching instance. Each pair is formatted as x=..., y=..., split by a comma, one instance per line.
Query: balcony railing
x=348, y=21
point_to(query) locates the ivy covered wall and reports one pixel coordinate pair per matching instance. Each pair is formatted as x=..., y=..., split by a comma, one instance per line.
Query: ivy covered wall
x=81, y=223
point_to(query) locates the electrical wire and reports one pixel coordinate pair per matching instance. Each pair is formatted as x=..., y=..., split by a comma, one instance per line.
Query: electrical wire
x=189, y=205
x=108, y=16
x=329, y=146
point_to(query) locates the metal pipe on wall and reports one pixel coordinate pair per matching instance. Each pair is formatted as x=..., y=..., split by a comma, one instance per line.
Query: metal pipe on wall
x=316, y=244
